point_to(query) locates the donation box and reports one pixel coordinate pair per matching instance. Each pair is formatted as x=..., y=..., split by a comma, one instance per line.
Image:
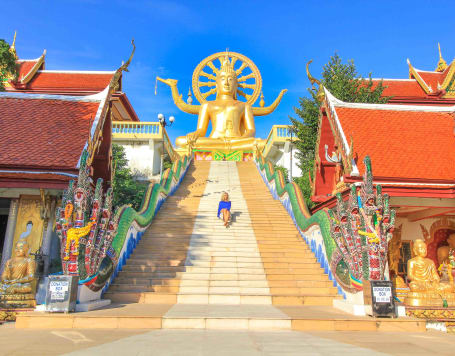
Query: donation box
x=61, y=293
x=380, y=295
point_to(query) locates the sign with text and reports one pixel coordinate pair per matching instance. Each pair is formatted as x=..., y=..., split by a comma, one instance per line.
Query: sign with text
x=382, y=301
x=61, y=293
x=58, y=289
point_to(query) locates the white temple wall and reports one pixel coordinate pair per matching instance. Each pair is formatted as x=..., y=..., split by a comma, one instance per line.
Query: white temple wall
x=144, y=157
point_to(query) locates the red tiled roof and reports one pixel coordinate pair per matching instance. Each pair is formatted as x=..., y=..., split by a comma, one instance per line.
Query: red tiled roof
x=432, y=79
x=402, y=144
x=402, y=88
x=70, y=80
x=43, y=133
x=24, y=67
x=34, y=176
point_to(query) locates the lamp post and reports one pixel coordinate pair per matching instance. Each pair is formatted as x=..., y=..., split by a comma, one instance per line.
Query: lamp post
x=164, y=123
x=290, y=153
x=290, y=167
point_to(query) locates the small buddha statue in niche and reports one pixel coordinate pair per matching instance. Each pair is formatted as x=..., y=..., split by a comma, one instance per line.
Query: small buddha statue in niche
x=425, y=285
x=447, y=253
x=18, y=275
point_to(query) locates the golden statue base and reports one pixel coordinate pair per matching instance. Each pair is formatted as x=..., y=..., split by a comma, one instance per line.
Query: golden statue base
x=429, y=299
x=17, y=301
x=219, y=155
x=432, y=313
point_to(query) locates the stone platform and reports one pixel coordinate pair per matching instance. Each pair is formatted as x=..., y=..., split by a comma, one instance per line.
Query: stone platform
x=227, y=317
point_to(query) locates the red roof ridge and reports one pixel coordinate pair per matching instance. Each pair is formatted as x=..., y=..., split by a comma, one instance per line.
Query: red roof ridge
x=390, y=107
x=395, y=79
x=77, y=71
x=98, y=97
x=39, y=62
x=331, y=100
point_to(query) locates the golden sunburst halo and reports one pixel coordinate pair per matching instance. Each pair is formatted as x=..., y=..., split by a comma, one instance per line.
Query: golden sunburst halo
x=248, y=77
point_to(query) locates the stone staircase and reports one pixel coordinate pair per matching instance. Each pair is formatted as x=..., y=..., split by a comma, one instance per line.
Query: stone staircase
x=190, y=272
x=188, y=257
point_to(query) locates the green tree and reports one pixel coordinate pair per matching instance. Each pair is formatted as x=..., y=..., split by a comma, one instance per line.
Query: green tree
x=7, y=63
x=126, y=189
x=343, y=81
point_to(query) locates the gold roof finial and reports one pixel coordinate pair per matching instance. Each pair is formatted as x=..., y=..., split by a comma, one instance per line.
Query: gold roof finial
x=442, y=65
x=13, y=46
x=226, y=66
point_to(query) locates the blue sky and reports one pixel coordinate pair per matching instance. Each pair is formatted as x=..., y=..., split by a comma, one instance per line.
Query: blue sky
x=172, y=37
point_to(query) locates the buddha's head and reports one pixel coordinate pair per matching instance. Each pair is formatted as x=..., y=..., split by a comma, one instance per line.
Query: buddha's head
x=451, y=240
x=21, y=249
x=420, y=248
x=226, y=79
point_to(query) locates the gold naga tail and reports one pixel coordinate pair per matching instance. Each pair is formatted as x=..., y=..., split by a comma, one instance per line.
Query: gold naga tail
x=190, y=109
x=194, y=109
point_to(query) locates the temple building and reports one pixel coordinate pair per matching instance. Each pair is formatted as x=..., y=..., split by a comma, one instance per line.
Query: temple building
x=411, y=143
x=48, y=117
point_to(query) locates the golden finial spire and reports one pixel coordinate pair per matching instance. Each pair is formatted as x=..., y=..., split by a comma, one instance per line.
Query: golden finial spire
x=442, y=65
x=13, y=46
x=226, y=66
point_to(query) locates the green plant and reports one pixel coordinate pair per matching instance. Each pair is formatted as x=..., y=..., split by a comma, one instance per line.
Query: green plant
x=126, y=189
x=7, y=63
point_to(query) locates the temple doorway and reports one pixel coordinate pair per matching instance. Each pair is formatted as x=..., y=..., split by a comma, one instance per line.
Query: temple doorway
x=4, y=210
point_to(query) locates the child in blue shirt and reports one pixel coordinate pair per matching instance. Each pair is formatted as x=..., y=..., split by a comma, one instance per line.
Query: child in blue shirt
x=224, y=207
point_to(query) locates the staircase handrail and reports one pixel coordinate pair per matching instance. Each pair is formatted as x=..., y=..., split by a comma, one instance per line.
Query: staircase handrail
x=130, y=221
x=292, y=198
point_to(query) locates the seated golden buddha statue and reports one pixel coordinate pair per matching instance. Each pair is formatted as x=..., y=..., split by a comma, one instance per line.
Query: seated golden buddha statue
x=426, y=287
x=232, y=120
x=16, y=285
x=447, y=253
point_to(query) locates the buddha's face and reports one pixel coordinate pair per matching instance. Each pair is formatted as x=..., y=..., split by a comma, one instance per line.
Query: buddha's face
x=21, y=249
x=226, y=83
x=420, y=249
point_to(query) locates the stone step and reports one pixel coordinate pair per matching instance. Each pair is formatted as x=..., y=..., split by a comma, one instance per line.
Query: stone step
x=189, y=264
x=172, y=298
x=223, y=283
x=316, y=275
x=231, y=290
x=302, y=269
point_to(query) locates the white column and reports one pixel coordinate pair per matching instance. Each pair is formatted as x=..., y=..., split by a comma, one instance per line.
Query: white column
x=9, y=234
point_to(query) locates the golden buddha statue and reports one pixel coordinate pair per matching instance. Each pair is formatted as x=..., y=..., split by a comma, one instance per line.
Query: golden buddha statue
x=16, y=285
x=425, y=285
x=232, y=120
x=447, y=253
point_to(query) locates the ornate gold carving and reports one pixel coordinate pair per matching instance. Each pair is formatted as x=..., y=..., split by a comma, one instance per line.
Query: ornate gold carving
x=442, y=65
x=224, y=59
x=12, y=49
x=320, y=93
x=114, y=84
x=394, y=249
x=7, y=315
